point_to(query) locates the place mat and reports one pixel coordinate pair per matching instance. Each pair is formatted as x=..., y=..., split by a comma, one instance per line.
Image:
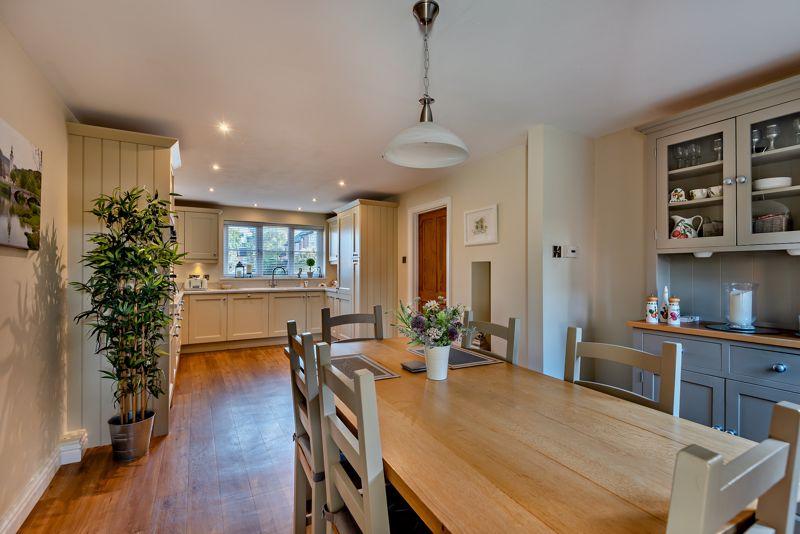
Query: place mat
x=350, y=363
x=756, y=330
x=460, y=357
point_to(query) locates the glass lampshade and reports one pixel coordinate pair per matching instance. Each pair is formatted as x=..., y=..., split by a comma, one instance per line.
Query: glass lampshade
x=426, y=145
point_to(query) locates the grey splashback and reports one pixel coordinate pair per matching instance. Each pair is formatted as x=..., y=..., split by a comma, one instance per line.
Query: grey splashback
x=698, y=283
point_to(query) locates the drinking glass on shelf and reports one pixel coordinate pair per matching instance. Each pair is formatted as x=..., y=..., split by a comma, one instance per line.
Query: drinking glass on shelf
x=718, y=148
x=680, y=154
x=755, y=137
x=796, y=127
x=771, y=132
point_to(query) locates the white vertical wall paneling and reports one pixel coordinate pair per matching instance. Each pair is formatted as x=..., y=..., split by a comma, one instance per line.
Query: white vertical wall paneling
x=74, y=299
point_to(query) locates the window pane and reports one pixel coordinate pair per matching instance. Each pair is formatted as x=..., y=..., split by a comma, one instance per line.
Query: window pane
x=275, y=249
x=306, y=245
x=241, y=245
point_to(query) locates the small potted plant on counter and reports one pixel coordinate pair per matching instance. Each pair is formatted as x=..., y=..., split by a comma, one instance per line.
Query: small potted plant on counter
x=436, y=327
x=311, y=262
x=129, y=289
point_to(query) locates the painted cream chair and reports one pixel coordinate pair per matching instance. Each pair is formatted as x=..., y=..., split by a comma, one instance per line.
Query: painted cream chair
x=667, y=366
x=375, y=319
x=309, y=466
x=707, y=493
x=509, y=333
x=348, y=505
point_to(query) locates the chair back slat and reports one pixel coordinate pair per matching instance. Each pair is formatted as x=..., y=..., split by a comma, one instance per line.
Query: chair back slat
x=667, y=366
x=510, y=334
x=367, y=507
x=707, y=493
x=375, y=319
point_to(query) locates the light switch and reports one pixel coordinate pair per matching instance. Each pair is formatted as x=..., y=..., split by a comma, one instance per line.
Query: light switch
x=571, y=252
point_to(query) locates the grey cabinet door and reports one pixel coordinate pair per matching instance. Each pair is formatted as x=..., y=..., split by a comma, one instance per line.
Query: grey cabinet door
x=703, y=398
x=748, y=408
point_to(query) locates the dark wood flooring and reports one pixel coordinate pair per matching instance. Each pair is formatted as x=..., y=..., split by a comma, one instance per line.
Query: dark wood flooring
x=225, y=467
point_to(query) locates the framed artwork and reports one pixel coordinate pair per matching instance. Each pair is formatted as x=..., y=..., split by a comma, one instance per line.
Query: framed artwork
x=20, y=190
x=480, y=226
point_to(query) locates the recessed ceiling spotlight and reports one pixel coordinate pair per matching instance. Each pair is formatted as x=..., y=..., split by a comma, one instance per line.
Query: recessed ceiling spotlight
x=224, y=127
x=210, y=189
x=299, y=209
x=313, y=200
x=255, y=205
x=215, y=167
x=341, y=183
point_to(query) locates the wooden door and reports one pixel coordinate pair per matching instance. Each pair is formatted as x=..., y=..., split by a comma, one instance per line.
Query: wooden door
x=432, y=252
x=247, y=316
x=208, y=318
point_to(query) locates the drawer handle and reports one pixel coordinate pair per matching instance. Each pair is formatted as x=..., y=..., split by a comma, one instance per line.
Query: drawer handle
x=779, y=367
x=732, y=432
x=717, y=427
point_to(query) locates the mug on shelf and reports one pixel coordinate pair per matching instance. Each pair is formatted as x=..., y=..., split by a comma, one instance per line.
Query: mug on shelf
x=697, y=194
x=715, y=191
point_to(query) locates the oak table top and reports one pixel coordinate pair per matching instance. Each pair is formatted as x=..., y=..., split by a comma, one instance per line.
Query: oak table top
x=499, y=448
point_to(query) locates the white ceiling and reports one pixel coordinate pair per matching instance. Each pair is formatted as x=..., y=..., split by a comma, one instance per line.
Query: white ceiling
x=314, y=89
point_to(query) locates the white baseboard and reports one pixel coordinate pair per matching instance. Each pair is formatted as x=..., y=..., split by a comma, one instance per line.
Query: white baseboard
x=12, y=520
x=72, y=446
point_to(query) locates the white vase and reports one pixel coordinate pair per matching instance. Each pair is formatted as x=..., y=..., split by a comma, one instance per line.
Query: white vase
x=436, y=360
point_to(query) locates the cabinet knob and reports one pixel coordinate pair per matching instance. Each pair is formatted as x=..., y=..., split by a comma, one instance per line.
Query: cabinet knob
x=732, y=432
x=741, y=179
x=779, y=367
x=717, y=427
x=727, y=181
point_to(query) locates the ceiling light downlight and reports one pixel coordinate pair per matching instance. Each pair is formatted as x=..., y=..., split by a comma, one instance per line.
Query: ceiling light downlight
x=426, y=145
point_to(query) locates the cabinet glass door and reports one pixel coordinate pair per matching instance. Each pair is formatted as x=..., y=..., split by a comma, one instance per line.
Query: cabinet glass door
x=768, y=181
x=696, y=202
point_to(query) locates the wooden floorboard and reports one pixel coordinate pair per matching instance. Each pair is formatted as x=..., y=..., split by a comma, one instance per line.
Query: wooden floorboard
x=225, y=467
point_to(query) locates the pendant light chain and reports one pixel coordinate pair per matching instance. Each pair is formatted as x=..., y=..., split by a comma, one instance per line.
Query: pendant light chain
x=427, y=61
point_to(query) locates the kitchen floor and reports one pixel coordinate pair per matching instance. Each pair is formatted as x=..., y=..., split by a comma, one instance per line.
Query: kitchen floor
x=226, y=466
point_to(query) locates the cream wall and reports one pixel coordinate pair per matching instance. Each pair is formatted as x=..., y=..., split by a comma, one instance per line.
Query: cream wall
x=233, y=213
x=560, y=212
x=500, y=179
x=33, y=285
x=620, y=225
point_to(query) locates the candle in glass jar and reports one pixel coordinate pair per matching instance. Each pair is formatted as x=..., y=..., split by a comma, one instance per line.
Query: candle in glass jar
x=740, y=306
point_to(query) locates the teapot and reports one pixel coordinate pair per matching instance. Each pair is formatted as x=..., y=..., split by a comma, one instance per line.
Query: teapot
x=685, y=228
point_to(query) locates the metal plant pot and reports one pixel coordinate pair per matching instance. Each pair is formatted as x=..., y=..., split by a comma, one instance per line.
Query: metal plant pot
x=132, y=440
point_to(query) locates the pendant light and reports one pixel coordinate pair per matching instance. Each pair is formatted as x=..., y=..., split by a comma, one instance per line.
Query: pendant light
x=426, y=145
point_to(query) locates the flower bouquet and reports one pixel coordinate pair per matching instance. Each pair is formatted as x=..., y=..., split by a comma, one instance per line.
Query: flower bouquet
x=436, y=327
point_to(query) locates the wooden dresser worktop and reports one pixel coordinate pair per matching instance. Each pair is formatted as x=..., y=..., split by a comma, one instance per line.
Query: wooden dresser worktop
x=786, y=338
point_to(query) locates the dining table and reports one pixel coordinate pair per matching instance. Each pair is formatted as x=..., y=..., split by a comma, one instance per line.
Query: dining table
x=501, y=448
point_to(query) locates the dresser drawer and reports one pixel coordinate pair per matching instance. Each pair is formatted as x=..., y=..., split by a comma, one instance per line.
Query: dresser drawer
x=765, y=364
x=702, y=355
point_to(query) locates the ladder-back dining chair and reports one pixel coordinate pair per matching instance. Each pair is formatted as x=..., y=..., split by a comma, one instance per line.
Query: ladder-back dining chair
x=375, y=319
x=309, y=464
x=667, y=366
x=348, y=505
x=509, y=333
x=707, y=493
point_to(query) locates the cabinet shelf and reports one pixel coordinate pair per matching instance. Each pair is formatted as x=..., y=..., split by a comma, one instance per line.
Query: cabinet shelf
x=779, y=154
x=779, y=192
x=695, y=170
x=710, y=201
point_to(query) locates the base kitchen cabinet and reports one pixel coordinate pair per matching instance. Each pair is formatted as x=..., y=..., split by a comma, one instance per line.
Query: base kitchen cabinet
x=247, y=315
x=748, y=408
x=314, y=304
x=286, y=307
x=208, y=318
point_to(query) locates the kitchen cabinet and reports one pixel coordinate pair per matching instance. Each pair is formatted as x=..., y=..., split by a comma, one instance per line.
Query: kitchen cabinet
x=703, y=399
x=200, y=234
x=284, y=307
x=208, y=318
x=314, y=304
x=247, y=315
x=748, y=408
x=180, y=232
x=348, y=261
x=722, y=151
x=333, y=240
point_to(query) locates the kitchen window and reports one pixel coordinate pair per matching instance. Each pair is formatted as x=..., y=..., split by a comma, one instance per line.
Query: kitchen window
x=262, y=247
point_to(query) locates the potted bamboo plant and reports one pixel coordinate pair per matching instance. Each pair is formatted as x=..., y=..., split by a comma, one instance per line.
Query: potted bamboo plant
x=129, y=290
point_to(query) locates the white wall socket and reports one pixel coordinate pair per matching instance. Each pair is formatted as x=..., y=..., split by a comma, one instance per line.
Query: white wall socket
x=570, y=251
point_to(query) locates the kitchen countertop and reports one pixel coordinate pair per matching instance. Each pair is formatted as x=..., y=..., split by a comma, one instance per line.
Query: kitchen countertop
x=253, y=290
x=786, y=338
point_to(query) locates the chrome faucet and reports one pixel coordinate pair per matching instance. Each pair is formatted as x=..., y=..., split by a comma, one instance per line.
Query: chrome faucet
x=273, y=283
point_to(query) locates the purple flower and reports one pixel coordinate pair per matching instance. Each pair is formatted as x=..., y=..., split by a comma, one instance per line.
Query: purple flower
x=452, y=333
x=418, y=323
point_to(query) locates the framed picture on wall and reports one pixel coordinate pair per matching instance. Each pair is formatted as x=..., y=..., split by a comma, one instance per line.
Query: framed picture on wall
x=20, y=189
x=480, y=226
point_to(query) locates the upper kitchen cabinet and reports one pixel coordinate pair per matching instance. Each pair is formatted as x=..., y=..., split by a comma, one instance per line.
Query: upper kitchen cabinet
x=333, y=240
x=768, y=169
x=727, y=175
x=198, y=234
x=696, y=188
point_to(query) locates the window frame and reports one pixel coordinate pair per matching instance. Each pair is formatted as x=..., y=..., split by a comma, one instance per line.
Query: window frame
x=260, y=226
